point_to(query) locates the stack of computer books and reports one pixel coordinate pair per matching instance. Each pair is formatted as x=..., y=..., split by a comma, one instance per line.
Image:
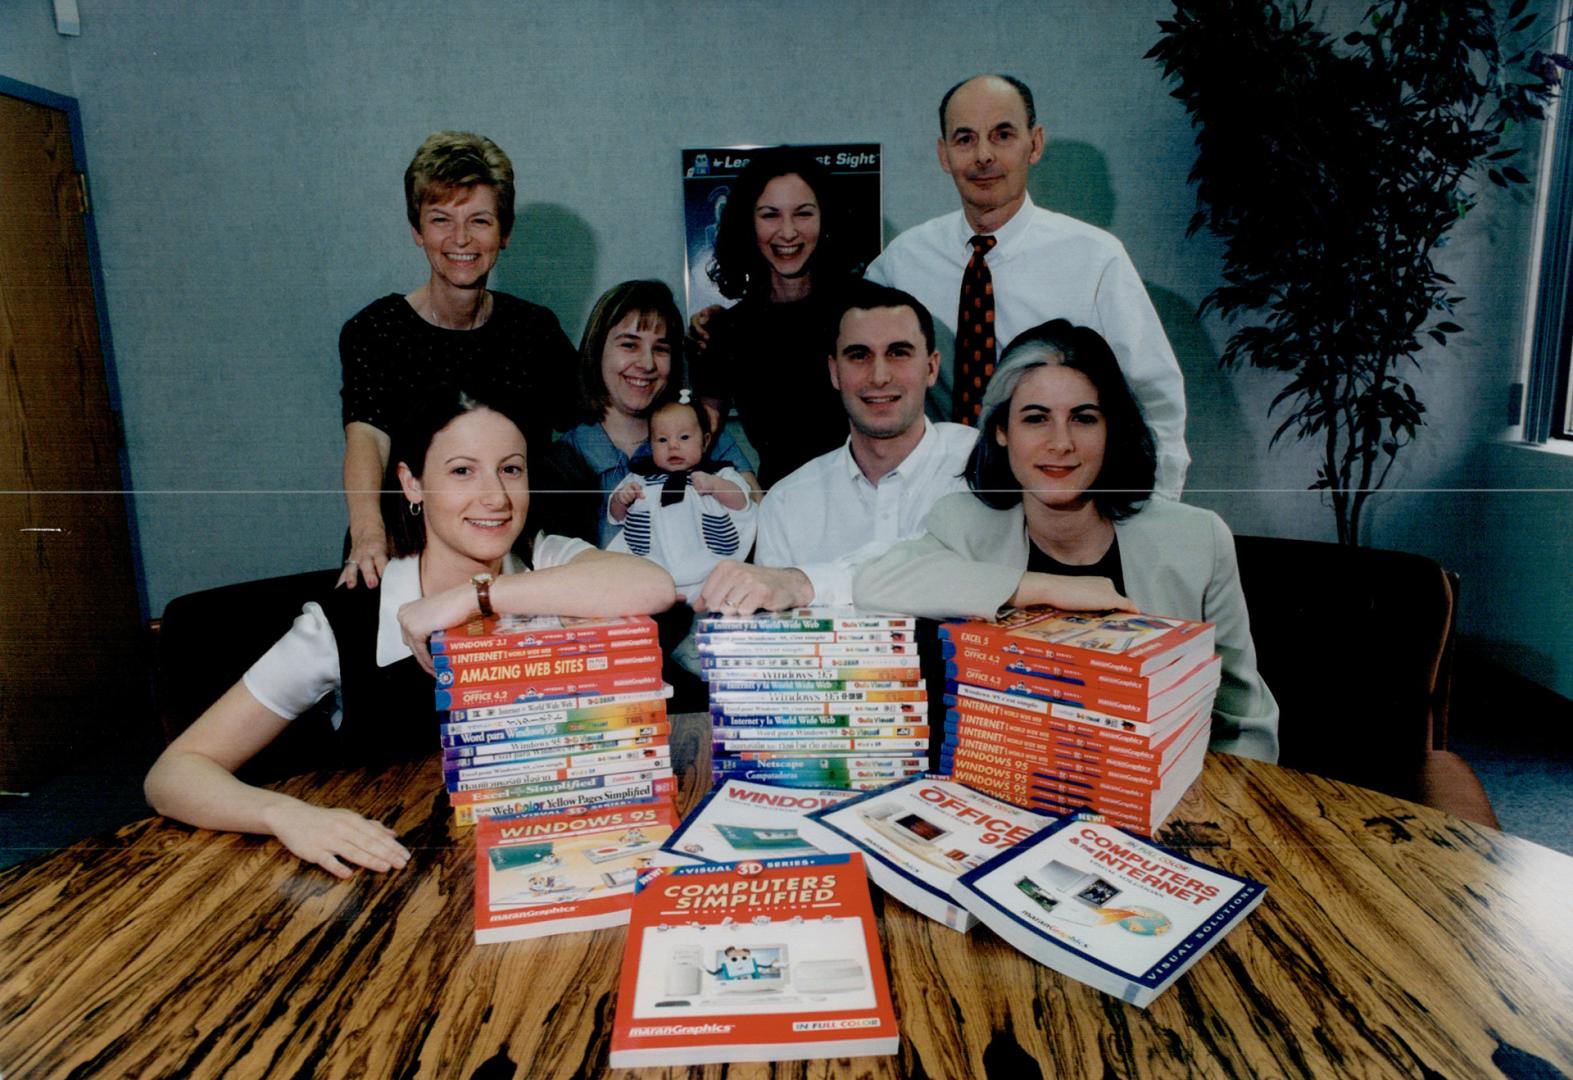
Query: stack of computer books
x=543, y=714
x=814, y=697
x=1066, y=712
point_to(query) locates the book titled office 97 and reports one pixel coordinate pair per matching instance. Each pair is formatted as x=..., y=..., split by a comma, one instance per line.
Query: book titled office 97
x=767, y=960
x=1106, y=907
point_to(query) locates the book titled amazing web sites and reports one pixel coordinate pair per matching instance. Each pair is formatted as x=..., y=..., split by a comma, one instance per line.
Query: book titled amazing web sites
x=769, y=960
x=1107, y=907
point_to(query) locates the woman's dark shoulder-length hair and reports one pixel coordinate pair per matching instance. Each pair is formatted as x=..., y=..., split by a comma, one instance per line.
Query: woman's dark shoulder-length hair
x=653, y=302
x=1130, y=458
x=412, y=437
x=737, y=268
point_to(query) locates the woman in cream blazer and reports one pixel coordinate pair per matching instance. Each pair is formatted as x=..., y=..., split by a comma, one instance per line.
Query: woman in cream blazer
x=1065, y=465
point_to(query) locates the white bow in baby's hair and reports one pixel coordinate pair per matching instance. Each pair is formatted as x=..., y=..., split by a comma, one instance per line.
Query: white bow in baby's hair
x=684, y=395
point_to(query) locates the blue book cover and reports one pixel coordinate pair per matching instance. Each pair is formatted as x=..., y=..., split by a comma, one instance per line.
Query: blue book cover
x=1106, y=906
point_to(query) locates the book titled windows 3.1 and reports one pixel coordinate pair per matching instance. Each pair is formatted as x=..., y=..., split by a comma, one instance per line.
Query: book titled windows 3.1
x=1107, y=907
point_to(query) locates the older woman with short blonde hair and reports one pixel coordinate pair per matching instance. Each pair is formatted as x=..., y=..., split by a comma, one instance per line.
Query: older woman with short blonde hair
x=459, y=196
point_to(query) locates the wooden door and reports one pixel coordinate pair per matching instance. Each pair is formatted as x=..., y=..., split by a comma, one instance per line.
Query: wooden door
x=72, y=666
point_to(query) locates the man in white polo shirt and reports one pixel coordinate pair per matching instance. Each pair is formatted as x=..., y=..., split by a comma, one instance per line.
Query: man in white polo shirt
x=821, y=521
x=1001, y=265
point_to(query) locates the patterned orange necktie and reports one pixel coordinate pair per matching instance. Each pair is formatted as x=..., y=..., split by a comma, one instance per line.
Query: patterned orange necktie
x=974, y=334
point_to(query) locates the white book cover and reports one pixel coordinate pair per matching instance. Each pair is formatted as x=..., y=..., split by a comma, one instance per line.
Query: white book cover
x=761, y=960
x=919, y=834
x=565, y=872
x=744, y=820
x=1107, y=907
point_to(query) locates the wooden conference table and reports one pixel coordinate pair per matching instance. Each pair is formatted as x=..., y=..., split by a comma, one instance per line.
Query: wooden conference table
x=1394, y=940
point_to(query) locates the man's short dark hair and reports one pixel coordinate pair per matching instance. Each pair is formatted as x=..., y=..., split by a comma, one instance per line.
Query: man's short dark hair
x=1016, y=84
x=865, y=295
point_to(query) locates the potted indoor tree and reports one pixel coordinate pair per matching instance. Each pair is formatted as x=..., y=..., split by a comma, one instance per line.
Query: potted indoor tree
x=1333, y=167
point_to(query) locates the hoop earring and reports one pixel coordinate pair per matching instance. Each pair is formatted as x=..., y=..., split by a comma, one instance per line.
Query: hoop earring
x=414, y=509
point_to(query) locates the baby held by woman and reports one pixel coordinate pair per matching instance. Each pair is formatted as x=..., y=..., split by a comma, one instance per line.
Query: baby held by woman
x=677, y=507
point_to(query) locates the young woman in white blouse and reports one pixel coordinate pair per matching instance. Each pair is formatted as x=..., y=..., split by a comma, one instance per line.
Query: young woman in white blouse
x=462, y=494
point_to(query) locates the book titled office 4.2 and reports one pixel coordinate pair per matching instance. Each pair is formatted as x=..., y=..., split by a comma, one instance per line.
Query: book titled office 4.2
x=767, y=960
x=1106, y=906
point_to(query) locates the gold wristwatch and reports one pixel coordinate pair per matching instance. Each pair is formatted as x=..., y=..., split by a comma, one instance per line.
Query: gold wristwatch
x=483, y=593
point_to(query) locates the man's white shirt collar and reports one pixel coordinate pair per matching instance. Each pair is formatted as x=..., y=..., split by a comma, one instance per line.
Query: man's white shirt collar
x=855, y=473
x=1004, y=236
x=401, y=583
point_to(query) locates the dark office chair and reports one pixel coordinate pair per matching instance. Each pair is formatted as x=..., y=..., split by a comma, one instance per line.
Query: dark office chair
x=207, y=640
x=1357, y=646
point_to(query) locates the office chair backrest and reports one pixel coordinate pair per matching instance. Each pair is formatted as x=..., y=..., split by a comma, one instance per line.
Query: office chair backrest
x=1354, y=643
x=207, y=640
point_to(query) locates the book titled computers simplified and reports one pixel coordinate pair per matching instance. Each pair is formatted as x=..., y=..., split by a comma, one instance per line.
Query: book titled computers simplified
x=761, y=960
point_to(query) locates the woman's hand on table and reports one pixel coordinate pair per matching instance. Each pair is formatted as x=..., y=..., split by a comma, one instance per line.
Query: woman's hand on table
x=419, y=619
x=332, y=838
x=368, y=555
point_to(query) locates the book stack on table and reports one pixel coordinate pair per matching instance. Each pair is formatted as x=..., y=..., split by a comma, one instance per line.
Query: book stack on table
x=1065, y=712
x=815, y=697
x=541, y=714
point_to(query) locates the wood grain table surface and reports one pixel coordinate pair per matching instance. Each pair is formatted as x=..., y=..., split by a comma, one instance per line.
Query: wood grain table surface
x=1394, y=941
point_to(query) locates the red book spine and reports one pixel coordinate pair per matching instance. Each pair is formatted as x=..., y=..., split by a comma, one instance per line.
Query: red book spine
x=480, y=634
x=1068, y=739
x=1052, y=755
x=620, y=682
x=589, y=665
x=1142, y=659
x=1137, y=687
x=1040, y=774
x=514, y=654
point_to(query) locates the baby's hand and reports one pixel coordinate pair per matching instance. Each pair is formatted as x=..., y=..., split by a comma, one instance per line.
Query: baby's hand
x=623, y=498
x=730, y=494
